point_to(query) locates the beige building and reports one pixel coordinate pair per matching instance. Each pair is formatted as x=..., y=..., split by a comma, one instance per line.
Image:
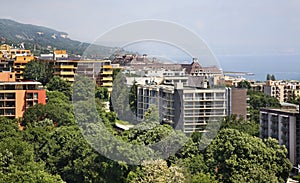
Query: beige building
x=282, y=90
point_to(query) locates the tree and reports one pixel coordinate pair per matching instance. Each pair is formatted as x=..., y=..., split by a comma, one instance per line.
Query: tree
x=244, y=84
x=41, y=71
x=203, y=178
x=61, y=85
x=250, y=127
x=294, y=99
x=102, y=93
x=233, y=155
x=120, y=102
x=133, y=98
x=56, y=95
x=273, y=77
x=157, y=171
x=151, y=115
x=17, y=157
x=268, y=77
x=68, y=154
x=259, y=100
x=58, y=109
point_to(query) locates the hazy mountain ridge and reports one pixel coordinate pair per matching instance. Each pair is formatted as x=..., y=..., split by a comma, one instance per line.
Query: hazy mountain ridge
x=41, y=39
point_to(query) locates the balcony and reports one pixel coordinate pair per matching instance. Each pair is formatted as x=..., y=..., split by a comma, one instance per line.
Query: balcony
x=284, y=138
x=106, y=84
x=107, y=67
x=64, y=66
x=62, y=73
x=19, y=67
x=274, y=127
x=107, y=73
x=107, y=79
x=284, y=129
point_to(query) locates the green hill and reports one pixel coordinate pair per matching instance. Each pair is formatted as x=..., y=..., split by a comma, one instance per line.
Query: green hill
x=43, y=40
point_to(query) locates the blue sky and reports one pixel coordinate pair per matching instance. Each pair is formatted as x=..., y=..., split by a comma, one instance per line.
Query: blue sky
x=231, y=27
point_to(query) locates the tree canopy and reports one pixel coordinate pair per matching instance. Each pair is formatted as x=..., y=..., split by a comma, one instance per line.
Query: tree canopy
x=61, y=85
x=41, y=71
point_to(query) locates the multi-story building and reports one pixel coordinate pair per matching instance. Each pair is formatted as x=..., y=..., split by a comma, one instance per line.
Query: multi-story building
x=282, y=90
x=100, y=71
x=60, y=54
x=15, y=97
x=187, y=108
x=20, y=64
x=237, y=102
x=195, y=69
x=284, y=125
x=258, y=86
x=14, y=60
x=65, y=69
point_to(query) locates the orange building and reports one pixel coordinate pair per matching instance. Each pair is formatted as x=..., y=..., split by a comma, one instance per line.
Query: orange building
x=16, y=97
x=7, y=77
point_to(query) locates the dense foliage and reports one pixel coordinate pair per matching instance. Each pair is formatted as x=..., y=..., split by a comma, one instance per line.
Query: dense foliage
x=259, y=100
x=39, y=71
x=51, y=147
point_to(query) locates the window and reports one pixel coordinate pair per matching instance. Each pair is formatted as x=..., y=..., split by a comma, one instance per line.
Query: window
x=35, y=96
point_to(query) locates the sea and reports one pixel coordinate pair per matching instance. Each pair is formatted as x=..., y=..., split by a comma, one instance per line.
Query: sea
x=283, y=67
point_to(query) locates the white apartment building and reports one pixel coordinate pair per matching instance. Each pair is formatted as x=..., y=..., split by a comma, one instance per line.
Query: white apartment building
x=185, y=108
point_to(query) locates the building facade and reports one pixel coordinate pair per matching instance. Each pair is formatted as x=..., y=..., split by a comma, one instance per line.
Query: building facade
x=237, y=102
x=100, y=71
x=186, y=108
x=284, y=125
x=16, y=97
x=65, y=69
x=282, y=90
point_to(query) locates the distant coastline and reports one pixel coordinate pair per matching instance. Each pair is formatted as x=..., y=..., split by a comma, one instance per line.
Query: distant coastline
x=284, y=67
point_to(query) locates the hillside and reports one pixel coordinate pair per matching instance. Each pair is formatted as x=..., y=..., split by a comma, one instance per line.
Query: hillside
x=42, y=40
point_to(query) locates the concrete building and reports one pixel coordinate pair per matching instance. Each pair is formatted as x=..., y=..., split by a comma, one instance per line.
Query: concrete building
x=237, y=102
x=284, y=125
x=15, y=97
x=187, y=108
